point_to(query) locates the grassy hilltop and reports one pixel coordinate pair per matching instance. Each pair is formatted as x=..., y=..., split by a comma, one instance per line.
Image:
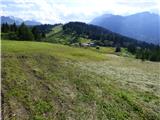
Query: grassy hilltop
x=44, y=81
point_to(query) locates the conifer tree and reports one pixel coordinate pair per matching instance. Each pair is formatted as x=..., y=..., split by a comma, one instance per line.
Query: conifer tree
x=24, y=33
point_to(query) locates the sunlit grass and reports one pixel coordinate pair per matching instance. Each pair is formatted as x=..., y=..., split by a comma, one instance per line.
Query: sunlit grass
x=27, y=48
x=44, y=81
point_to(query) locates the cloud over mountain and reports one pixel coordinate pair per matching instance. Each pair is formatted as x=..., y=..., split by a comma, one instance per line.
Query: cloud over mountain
x=53, y=11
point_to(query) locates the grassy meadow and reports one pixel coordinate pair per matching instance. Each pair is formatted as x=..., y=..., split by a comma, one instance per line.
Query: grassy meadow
x=44, y=81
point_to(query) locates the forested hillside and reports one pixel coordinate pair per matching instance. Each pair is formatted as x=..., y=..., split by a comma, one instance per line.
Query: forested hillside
x=104, y=37
x=76, y=32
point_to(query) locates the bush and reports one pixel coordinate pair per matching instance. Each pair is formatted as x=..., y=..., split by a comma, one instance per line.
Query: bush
x=97, y=47
x=12, y=36
x=118, y=49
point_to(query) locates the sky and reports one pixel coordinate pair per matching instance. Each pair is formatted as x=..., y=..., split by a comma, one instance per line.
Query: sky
x=62, y=11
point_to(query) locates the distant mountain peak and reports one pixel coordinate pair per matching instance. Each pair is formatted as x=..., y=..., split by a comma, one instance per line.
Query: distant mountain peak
x=15, y=18
x=143, y=14
x=18, y=21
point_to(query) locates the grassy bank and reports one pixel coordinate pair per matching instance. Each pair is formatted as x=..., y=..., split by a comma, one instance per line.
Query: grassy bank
x=43, y=81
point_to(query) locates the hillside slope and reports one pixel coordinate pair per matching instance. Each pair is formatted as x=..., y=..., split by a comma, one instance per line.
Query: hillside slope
x=43, y=81
x=72, y=32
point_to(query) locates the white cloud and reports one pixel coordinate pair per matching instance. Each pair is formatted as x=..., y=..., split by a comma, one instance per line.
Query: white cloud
x=53, y=11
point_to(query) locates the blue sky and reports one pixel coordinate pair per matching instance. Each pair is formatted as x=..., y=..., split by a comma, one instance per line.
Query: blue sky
x=56, y=11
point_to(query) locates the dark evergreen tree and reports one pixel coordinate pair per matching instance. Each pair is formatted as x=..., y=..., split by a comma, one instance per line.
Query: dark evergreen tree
x=13, y=27
x=2, y=27
x=24, y=33
x=36, y=33
x=118, y=49
x=5, y=28
x=43, y=35
x=131, y=48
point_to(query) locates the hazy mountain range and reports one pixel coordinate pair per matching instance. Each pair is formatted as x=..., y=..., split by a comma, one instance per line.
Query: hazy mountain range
x=141, y=26
x=18, y=21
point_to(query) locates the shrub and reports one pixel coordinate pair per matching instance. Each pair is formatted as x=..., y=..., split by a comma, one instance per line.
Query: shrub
x=97, y=47
x=118, y=49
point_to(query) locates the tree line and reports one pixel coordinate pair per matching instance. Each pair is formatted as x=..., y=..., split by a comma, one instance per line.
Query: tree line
x=22, y=32
x=104, y=37
x=151, y=53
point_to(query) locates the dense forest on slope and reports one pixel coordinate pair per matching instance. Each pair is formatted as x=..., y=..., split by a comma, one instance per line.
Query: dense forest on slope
x=103, y=36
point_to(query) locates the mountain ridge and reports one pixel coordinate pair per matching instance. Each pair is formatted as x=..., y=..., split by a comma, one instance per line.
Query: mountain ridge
x=139, y=26
x=18, y=21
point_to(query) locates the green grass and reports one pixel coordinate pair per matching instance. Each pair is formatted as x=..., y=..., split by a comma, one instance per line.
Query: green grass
x=84, y=40
x=104, y=50
x=47, y=49
x=43, y=81
x=57, y=35
x=54, y=30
